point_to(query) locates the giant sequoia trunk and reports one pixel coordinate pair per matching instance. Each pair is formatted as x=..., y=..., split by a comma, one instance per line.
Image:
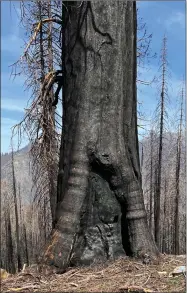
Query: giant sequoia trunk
x=100, y=208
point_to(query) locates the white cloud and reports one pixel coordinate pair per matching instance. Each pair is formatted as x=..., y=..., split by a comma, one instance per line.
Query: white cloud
x=11, y=82
x=12, y=43
x=150, y=94
x=6, y=128
x=12, y=105
x=176, y=18
x=173, y=24
x=14, y=95
x=6, y=124
x=6, y=134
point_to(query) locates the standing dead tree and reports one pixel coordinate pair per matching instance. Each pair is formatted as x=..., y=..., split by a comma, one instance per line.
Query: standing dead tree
x=177, y=179
x=162, y=114
x=151, y=181
x=144, y=52
x=148, y=173
x=100, y=210
x=23, y=233
x=99, y=168
x=41, y=63
x=7, y=242
x=18, y=252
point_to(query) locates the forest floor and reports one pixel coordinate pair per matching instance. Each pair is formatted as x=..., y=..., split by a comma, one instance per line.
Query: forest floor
x=123, y=275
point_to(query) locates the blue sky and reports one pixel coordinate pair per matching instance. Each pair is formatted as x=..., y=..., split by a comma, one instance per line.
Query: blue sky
x=161, y=17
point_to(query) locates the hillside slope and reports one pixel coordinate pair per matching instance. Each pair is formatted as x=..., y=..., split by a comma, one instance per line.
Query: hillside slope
x=22, y=164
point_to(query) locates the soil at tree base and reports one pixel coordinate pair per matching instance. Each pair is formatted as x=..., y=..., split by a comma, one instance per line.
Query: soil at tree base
x=122, y=275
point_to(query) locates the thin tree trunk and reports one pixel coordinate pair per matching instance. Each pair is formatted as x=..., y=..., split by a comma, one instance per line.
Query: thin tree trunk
x=177, y=188
x=16, y=216
x=20, y=205
x=159, y=165
x=26, y=246
x=10, y=265
x=164, y=219
x=44, y=219
x=168, y=234
x=100, y=213
x=52, y=166
x=151, y=184
x=142, y=159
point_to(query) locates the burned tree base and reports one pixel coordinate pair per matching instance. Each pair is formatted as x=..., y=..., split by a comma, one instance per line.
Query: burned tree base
x=100, y=225
x=103, y=233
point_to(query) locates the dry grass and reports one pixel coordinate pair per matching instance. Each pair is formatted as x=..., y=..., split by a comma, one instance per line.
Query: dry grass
x=123, y=275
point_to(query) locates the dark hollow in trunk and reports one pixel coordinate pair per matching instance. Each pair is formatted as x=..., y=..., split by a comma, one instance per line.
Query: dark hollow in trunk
x=100, y=209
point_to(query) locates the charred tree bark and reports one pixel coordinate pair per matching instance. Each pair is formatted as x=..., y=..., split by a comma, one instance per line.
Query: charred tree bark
x=26, y=245
x=16, y=216
x=44, y=219
x=177, y=179
x=165, y=216
x=151, y=184
x=100, y=210
x=142, y=158
x=10, y=266
x=160, y=148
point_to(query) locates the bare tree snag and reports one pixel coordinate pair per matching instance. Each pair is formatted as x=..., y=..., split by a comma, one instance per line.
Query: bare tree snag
x=26, y=244
x=151, y=183
x=162, y=107
x=16, y=216
x=10, y=265
x=177, y=178
x=100, y=210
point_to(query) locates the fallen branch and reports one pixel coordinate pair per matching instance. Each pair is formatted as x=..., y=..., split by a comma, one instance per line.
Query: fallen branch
x=23, y=288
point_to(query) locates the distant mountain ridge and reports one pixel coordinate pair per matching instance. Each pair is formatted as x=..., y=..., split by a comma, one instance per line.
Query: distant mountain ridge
x=5, y=157
x=22, y=164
